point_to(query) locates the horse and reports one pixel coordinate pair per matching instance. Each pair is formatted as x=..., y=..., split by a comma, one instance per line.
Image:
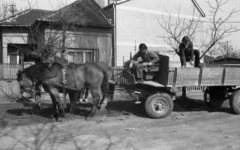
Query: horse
x=78, y=77
x=84, y=94
x=111, y=86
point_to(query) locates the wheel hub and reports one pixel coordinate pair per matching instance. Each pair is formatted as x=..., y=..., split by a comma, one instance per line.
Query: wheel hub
x=207, y=98
x=159, y=106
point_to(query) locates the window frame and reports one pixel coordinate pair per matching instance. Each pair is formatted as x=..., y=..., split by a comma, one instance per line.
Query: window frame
x=95, y=53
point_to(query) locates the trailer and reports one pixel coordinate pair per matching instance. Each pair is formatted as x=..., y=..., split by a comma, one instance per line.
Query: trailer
x=158, y=90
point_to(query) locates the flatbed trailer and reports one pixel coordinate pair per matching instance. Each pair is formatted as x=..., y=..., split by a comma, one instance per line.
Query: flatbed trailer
x=158, y=93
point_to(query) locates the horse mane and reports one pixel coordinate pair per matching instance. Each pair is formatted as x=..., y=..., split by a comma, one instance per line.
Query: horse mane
x=56, y=65
x=39, y=71
x=32, y=72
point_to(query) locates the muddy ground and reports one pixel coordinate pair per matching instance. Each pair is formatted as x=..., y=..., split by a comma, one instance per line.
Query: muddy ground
x=192, y=125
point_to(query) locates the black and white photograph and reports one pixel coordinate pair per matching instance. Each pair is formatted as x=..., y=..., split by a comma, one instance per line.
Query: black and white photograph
x=119, y=75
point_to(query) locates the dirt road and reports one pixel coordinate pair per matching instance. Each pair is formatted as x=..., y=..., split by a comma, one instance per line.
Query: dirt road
x=191, y=125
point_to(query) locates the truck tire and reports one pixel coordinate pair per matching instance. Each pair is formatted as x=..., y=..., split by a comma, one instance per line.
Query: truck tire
x=234, y=102
x=212, y=102
x=158, y=105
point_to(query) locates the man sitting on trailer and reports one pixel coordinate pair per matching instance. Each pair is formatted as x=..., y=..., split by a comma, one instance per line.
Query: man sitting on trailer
x=186, y=53
x=148, y=58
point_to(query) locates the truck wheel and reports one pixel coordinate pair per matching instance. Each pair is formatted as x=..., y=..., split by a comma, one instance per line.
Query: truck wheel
x=159, y=105
x=211, y=101
x=234, y=102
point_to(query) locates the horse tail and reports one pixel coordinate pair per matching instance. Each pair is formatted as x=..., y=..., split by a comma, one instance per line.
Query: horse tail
x=104, y=85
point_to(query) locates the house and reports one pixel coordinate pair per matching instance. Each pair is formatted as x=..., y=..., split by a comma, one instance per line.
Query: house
x=137, y=21
x=33, y=29
x=223, y=61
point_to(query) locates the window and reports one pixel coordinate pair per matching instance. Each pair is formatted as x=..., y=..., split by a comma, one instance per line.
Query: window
x=82, y=55
x=13, y=58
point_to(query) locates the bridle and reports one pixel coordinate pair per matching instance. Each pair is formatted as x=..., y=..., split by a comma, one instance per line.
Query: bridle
x=22, y=82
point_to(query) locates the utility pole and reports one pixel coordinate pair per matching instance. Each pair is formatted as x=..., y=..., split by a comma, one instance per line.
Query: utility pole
x=135, y=47
x=226, y=54
x=227, y=47
x=12, y=9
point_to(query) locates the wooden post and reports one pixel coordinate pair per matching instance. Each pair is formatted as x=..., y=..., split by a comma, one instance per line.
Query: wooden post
x=184, y=95
x=21, y=55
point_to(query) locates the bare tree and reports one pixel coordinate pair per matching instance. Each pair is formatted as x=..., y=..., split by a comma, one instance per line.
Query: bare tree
x=178, y=26
x=215, y=32
x=218, y=28
x=51, y=33
x=59, y=25
x=4, y=11
x=226, y=50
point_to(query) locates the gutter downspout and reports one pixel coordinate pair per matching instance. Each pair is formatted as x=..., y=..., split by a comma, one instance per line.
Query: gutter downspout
x=114, y=37
x=199, y=8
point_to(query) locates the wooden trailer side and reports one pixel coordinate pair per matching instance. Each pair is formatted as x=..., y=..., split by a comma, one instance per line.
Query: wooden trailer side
x=209, y=76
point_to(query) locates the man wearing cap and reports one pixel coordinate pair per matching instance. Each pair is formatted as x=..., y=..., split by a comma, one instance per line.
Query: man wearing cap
x=148, y=58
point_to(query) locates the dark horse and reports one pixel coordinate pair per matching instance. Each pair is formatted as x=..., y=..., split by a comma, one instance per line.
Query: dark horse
x=78, y=77
x=111, y=86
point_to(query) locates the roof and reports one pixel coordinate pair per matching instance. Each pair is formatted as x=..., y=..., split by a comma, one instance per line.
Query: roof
x=25, y=18
x=220, y=59
x=208, y=58
x=88, y=12
x=227, y=58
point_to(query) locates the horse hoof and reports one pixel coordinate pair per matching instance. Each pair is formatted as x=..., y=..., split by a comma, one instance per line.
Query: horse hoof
x=71, y=111
x=107, y=108
x=56, y=116
x=89, y=118
x=99, y=107
x=60, y=120
x=90, y=115
x=56, y=119
x=36, y=109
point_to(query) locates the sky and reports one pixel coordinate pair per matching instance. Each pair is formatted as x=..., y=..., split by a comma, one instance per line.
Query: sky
x=234, y=39
x=39, y=4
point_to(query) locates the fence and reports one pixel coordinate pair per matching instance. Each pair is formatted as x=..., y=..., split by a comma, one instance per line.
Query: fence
x=9, y=71
x=192, y=89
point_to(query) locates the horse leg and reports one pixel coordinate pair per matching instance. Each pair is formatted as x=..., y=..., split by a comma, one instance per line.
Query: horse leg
x=110, y=94
x=111, y=91
x=96, y=98
x=104, y=95
x=38, y=101
x=104, y=89
x=86, y=94
x=55, y=108
x=81, y=94
x=54, y=94
x=73, y=97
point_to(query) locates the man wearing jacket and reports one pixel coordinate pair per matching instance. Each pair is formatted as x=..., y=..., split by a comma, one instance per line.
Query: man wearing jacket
x=148, y=58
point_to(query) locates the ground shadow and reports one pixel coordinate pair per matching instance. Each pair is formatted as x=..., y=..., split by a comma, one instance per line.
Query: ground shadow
x=182, y=104
x=127, y=107
x=19, y=111
x=82, y=109
x=114, y=108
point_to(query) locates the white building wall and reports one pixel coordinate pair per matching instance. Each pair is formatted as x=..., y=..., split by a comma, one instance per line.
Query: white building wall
x=12, y=38
x=138, y=22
